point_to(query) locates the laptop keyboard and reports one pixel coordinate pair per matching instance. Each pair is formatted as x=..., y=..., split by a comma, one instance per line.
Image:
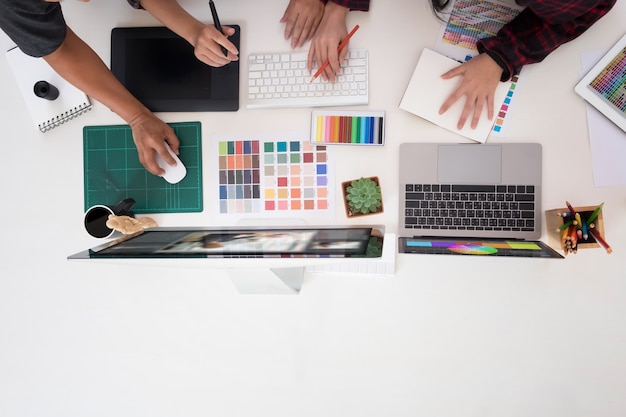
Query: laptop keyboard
x=470, y=207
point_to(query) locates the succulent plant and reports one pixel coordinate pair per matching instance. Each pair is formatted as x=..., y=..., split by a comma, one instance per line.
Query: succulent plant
x=363, y=196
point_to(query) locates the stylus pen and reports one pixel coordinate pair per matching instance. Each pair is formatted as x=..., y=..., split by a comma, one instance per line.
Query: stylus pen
x=339, y=48
x=216, y=22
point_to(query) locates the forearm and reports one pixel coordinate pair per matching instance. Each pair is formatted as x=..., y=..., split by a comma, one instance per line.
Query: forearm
x=172, y=15
x=75, y=61
x=529, y=37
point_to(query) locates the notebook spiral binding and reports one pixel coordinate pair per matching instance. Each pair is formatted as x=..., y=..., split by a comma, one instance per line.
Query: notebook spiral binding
x=64, y=117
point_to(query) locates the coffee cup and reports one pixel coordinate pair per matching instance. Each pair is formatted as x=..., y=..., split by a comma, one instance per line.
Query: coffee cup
x=96, y=217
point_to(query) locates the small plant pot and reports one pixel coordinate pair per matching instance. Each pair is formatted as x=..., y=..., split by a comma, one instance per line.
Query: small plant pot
x=353, y=212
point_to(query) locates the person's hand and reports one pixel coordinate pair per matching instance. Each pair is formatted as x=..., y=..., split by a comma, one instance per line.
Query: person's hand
x=207, y=46
x=150, y=135
x=331, y=31
x=301, y=19
x=481, y=76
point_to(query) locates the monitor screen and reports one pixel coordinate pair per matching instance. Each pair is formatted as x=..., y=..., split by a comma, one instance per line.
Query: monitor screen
x=250, y=242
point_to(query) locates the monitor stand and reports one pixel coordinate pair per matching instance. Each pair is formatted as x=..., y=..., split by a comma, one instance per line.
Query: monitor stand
x=277, y=280
x=268, y=280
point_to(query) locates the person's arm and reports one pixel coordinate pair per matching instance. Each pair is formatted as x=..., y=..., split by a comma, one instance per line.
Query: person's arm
x=75, y=61
x=205, y=39
x=538, y=30
x=330, y=32
x=528, y=38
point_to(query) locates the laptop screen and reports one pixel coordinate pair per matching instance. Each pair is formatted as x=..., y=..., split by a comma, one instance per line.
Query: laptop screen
x=477, y=247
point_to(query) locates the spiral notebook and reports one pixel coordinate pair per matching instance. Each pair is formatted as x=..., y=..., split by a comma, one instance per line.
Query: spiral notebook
x=46, y=114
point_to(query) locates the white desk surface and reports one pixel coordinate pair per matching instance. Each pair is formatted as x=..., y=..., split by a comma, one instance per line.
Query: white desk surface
x=446, y=336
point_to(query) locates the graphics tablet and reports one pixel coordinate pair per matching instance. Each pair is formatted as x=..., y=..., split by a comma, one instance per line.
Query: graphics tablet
x=160, y=69
x=604, y=87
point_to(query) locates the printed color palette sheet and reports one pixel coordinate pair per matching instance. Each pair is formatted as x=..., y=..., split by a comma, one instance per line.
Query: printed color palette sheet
x=275, y=177
x=471, y=20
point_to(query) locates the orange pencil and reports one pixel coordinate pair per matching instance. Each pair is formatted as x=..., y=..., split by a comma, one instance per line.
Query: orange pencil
x=343, y=43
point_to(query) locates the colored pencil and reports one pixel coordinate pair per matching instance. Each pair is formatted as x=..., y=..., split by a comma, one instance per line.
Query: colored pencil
x=600, y=240
x=595, y=213
x=339, y=48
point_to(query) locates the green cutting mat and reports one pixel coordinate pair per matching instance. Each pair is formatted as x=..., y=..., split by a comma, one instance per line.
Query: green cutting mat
x=113, y=171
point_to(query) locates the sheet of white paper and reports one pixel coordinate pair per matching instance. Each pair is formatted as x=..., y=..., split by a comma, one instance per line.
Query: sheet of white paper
x=427, y=91
x=607, y=142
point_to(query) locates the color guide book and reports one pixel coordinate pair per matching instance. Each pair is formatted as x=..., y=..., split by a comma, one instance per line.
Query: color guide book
x=281, y=175
x=347, y=127
x=427, y=91
x=112, y=171
x=46, y=114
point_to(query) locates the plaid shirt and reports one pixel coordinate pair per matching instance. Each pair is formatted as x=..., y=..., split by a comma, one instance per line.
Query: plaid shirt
x=362, y=5
x=539, y=29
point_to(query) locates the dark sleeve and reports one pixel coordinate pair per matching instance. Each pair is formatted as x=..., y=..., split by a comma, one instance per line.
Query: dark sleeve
x=136, y=4
x=538, y=30
x=37, y=27
x=360, y=5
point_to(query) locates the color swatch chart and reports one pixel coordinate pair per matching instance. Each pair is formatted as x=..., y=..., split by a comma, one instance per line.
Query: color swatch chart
x=471, y=20
x=347, y=128
x=504, y=109
x=611, y=82
x=273, y=177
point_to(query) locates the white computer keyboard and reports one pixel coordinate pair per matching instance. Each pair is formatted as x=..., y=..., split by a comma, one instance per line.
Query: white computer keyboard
x=282, y=80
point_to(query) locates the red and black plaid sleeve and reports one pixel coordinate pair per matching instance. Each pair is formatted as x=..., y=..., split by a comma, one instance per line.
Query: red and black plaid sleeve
x=362, y=5
x=539, y=29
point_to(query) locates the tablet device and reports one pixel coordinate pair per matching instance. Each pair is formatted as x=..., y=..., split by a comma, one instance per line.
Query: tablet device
x=604, y=86
x=160, y=69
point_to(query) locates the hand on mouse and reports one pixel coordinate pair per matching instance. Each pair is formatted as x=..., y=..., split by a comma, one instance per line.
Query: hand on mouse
x=150, y=135
x=480, y=77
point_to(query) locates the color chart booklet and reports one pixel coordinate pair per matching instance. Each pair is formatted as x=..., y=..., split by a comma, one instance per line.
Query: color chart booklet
x=46, y=114
x=427, y=91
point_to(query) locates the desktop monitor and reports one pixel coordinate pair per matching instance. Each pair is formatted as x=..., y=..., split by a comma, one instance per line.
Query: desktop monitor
x=283, y=250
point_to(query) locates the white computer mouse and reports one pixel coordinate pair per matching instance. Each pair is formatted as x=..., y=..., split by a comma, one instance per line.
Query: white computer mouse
x=173, y=174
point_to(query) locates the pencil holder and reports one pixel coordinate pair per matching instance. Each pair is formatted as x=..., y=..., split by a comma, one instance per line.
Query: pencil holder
x=555, y=220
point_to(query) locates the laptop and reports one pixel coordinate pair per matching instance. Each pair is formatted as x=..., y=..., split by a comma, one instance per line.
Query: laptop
x=471, y=199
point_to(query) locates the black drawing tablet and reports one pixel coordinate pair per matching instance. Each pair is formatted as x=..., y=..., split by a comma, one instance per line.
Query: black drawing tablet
x=160, y=69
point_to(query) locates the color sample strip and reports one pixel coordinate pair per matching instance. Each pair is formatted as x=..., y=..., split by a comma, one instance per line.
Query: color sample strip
x=356, y=128
x=273, y=176
x=295, y=176
x=504, y=109
x=611, y=82
x=239, y=176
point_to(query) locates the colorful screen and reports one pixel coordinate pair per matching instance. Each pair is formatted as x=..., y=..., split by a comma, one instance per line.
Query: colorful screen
x=611, y=82
x=477, y=247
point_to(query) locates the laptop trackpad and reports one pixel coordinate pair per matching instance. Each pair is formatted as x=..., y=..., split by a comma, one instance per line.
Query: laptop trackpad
x=469, y=164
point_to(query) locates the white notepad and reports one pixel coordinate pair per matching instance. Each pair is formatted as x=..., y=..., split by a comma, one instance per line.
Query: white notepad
x=427, y=91
x=46, y=114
